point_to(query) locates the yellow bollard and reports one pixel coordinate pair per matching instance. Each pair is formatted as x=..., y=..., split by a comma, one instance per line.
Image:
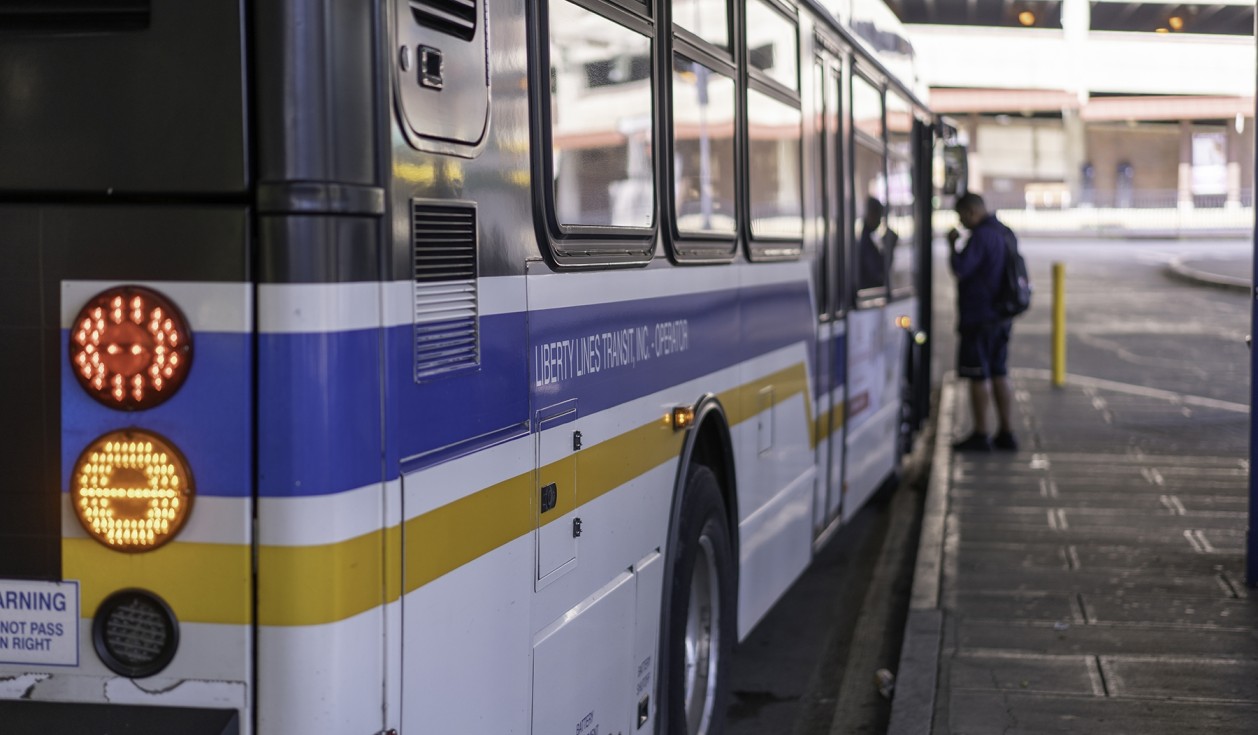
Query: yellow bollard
x=1059, y=325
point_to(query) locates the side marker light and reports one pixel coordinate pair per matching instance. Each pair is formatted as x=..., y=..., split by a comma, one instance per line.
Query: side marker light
x=683, y=418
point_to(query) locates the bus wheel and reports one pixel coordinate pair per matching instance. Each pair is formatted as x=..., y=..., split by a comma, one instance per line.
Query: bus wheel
x=701, y=632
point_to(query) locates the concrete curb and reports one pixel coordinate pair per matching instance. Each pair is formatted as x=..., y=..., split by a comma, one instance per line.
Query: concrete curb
x=1177, y=269
x=913, y=708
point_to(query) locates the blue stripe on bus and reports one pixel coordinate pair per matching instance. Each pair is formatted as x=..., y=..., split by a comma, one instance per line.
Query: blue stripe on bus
x=308, y=448
x=766, y=317
x=319, y=435
x=626, y=332
x=209, y=419
x=319, y=412
x=319, y=423
x=459, y=407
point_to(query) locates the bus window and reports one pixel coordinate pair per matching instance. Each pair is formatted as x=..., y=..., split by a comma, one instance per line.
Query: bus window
x=867, y=109
x=707, y=19
x=772, y=44
x=869, y=192
x=901, y=221
x=774, y=167
x=601, y=131
x=900, y=225
x=703, y=149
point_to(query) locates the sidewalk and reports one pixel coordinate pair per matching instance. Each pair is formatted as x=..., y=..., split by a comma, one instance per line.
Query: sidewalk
x=1091, y=582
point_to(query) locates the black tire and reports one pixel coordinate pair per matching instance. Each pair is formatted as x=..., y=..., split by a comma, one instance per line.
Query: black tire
x=696, y=683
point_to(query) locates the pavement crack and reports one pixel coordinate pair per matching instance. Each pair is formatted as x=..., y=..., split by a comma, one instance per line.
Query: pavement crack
x=1100, y=676
x=1228, y=588
x=1083, y=609
x=1011, y=718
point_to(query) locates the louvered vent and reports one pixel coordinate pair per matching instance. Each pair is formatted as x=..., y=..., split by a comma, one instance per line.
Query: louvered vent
x=453, y=17
x=447, y=328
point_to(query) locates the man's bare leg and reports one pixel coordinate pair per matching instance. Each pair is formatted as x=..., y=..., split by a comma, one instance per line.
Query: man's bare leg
x=1004, y=403
x=978, y=405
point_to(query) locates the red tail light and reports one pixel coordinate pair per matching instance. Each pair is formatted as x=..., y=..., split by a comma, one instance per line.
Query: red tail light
x=130, y=348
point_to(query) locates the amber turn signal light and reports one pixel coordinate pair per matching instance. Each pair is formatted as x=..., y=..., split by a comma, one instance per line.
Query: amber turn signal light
x=130, y=348
x=131, y=490
x=683, y=417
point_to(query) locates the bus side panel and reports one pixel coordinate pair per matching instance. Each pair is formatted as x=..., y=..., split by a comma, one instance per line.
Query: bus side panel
x=775, y=457
x=324, y=533
x=873, y=403
x=837, y=348
x=461, y=441
x=328, y=564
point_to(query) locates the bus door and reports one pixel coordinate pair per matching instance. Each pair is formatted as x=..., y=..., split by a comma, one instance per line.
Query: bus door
x=903, y=258
x=873, y=376
x=830, y=362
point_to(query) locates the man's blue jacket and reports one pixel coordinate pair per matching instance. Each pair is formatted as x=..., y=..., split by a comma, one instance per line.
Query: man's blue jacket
x=979, y=269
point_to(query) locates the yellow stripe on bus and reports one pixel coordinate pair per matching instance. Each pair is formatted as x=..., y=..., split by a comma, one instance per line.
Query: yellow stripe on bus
x=202, y=583
x=467, y=529
x=312, y=585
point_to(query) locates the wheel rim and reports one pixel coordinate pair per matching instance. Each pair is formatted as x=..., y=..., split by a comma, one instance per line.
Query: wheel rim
x=702, y=643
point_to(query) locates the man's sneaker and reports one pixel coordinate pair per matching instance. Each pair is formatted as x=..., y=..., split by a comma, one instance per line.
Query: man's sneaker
x=975, y=442
x=1005, y=440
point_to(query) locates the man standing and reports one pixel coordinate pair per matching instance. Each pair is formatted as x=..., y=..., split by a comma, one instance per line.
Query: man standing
x=984, y=335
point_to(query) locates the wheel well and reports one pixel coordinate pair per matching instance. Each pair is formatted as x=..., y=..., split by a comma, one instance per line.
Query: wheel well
x=707, y=443
x=712, y=449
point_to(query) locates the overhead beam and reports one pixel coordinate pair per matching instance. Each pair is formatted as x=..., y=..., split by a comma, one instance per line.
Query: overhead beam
x=1244, y=3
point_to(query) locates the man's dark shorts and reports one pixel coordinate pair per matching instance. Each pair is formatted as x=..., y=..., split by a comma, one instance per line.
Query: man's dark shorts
x=983, y=351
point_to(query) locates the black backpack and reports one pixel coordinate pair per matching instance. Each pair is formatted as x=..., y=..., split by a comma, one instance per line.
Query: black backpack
x=1015, y=285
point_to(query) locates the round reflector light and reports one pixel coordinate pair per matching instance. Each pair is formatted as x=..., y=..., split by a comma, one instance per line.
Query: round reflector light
x=130, y=348
x=131, y=490
x=135, y=633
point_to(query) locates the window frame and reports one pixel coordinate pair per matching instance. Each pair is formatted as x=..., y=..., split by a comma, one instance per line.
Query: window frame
x=699, y=247
x=827, y=287
x=911, y=289
x=689, y=38
x=769, y=249
x=791, y=15
x=866, y=298
x=833, y=69
x=582, y=246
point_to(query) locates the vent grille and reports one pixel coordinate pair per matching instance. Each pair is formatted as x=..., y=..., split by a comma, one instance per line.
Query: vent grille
x=453, y=17
x=447, y=324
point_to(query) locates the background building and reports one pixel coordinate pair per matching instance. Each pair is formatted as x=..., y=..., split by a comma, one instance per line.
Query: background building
x=1101, y=104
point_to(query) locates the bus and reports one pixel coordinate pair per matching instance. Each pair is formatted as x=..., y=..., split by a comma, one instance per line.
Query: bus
x=440, y=366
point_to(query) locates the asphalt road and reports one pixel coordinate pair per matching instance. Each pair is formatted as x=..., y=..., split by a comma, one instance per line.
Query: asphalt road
x=1126, y=320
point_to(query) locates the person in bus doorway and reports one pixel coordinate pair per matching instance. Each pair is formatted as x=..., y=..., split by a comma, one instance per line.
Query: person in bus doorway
x=983, y=347
x=873, y=269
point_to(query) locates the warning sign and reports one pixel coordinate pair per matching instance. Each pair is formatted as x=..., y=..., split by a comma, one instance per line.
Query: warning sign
x=39, y=622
